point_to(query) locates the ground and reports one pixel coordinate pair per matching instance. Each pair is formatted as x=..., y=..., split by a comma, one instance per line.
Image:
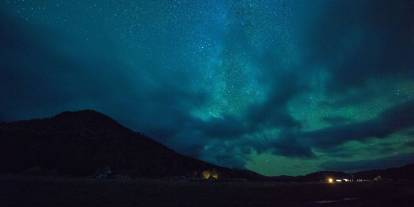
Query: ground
x=18, y=191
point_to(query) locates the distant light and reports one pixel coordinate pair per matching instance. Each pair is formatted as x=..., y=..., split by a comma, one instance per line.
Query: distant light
x=339, y=180
x=330, y=180
x=346, y=180
x=210, y=175
x=214, y=175
x=206, y=174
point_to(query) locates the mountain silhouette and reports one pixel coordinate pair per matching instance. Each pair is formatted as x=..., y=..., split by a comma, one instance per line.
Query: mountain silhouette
x=80, y=143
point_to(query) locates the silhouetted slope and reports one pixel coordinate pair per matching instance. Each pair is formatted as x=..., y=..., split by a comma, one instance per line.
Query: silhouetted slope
x=79, y=143
x=399, y=173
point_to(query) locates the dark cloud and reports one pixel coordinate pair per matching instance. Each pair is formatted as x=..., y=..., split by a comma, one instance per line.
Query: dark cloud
x=280, y=83
x=381, y=148
x=233, y=160
x=226, y=127
x=409, y=132
x=392, y=120
x=288, y=146
x=353, y=97
x=410, y=143
x=336, y=120
x=298, y=143
x=353, y=166
x=272, y=112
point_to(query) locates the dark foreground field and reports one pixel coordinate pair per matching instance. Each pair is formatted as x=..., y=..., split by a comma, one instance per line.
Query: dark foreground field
x=61, y=192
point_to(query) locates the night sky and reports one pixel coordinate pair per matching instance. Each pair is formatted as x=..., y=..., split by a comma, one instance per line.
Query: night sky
x=274, y=86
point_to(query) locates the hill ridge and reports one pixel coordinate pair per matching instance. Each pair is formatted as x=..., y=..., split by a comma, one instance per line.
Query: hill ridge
x=81, y=142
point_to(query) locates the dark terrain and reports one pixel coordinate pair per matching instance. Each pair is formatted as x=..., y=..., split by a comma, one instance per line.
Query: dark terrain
x=56, y=162
x=81, y=143
x=77, y=192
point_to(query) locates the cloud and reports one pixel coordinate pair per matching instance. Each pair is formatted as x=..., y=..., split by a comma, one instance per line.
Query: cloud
x=272, y=112
x=410, y=144
x=353, y=49
x=392, y=120
x=289, y=146
x=235, y=159
x=335, y=120
x=360, y=165
x=299, y=143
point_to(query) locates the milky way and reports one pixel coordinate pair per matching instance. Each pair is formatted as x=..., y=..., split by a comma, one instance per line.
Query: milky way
x=274, y=86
